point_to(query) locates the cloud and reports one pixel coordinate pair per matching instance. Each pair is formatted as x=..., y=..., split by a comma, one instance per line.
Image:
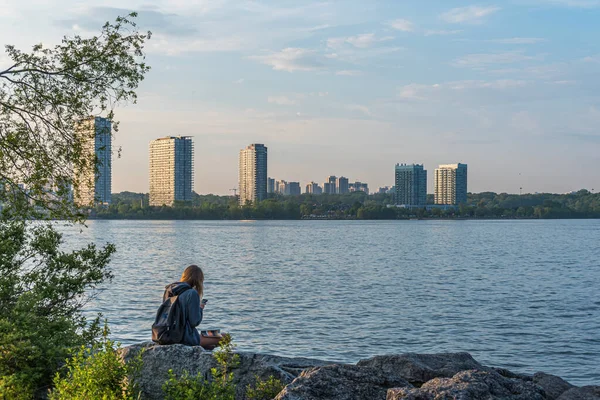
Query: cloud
x=360, y=108
x=174, y=46
x=281, y=100
x=592, y=59
x=239, y=81
x=92, y=18
x=359, y=41
x=442, y=32
x=415, y=91
x=486, y=59
x=573, y=3
x=348, y=73
x=291, y=60
x=403, y=25
x=469, y=15
x=519, y=40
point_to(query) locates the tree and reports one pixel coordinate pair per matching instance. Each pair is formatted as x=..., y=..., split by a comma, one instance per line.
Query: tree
x=44, y=95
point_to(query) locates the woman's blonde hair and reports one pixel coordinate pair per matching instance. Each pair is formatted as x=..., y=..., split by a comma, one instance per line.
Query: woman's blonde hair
x=194, y=277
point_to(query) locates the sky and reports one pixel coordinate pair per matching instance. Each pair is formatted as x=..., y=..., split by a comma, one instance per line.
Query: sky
x=352, y=87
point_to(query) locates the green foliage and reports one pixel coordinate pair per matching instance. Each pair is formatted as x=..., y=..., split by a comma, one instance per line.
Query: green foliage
x=98, y=373
x=186, y=387
x=44, y=96
x=219, y=387
x=42, y=292
x=264, y=390
x=357, y=205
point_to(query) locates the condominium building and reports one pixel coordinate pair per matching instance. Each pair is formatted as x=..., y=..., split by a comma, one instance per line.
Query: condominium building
x=171, y=170
x=93, y=183
x=359, y=187
x=314, y=188
x=294, y=189
x=282, y=187
x=330, y=186
x=411, y=185
x=253, y=173
x=342, y=185
x=270, y=185
x=451, y=184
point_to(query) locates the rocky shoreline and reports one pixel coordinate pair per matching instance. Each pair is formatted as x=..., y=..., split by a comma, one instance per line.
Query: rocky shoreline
x=392, y=377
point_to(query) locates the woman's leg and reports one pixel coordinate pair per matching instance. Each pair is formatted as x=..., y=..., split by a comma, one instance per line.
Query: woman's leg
x=209, y=342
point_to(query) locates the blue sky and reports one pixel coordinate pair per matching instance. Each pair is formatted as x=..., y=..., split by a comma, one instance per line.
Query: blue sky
x=353, y=87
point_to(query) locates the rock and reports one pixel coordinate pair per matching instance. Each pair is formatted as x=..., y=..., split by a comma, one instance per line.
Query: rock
x=341, y=382
x=581, y=393
x=420, y=368
x=552, y=385
x=157, y=360
x=509, y=374
x=471, y=385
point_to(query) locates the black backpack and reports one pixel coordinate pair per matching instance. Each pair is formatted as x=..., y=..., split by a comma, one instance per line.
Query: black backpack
x=169, y=325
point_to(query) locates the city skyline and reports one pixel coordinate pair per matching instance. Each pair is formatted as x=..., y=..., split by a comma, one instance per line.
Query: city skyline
x=510, y=87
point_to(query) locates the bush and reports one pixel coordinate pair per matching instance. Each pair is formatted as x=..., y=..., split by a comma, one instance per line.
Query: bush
x=98, y=373
x=219, y=387
x=264, y=390
x=41, y=297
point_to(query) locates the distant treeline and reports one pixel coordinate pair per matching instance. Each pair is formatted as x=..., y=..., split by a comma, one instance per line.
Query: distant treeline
x=357, y=205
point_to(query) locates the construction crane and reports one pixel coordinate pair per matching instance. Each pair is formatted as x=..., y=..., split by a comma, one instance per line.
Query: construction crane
x=234, y=190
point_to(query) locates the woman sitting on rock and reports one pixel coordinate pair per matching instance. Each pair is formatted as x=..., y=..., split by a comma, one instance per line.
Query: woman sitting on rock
x=188, y=294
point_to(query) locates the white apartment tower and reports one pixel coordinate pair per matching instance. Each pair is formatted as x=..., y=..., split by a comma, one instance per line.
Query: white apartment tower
x=253, y=174
x=93, y=183
x=451, y=184
x=171, y=170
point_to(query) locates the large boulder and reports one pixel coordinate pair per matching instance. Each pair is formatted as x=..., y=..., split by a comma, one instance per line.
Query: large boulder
x=581, y=393
x=471, y=385
x=552, y=385
x=420, y=368
x=341, y=382
x=158, y=360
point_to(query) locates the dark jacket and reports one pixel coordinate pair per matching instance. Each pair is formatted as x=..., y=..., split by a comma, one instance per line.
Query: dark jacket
x=192, y=312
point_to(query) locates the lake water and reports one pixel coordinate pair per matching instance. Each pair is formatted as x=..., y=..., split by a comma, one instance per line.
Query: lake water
x=523, y=295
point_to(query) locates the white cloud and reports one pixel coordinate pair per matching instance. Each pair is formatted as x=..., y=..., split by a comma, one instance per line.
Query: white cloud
x=403, y=25
x=487, y=59
x=416, y=91
x=291, y=59
x=471, y=14
x=281, y=100
x=519, y=40
x=360, y=108
x=442, y=32
x=349, y=73
x=171, y=46
x=239, y=81
x=360, y=41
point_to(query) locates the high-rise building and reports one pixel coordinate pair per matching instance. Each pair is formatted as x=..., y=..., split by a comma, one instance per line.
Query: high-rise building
x=342, y=185
x=93, y=184
x=282, y=187
x=253, y=174
x=313, y=188
x=171, y=170
x=294, y=189
x=270, y=185
x=359, y=187
x=411, y=185
x=451, y=184
x=332, y=187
